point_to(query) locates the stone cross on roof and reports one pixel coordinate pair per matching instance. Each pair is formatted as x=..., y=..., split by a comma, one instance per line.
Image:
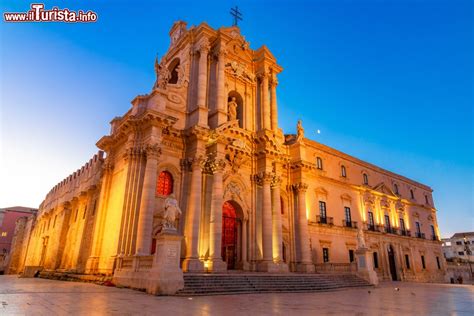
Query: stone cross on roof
x=236, y=14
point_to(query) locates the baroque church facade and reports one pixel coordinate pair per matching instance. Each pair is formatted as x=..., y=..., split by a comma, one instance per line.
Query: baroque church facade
x=251, y=197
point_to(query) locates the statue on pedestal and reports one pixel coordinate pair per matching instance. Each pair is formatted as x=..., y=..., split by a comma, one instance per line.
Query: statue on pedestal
x=360, y=239
x=232, y=109
x=163, y=75
x=299, y=131
x=171, y=213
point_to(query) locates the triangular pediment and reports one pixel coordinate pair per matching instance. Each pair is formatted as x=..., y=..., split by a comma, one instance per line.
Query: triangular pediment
x=383, y=188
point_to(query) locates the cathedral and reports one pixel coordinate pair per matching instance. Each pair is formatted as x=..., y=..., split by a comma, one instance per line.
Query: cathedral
x=205, y=144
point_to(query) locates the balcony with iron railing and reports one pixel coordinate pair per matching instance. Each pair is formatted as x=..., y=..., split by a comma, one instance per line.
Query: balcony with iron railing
x=349, y=224
x=325, y=220
x=420, y=235
x=405, y=232
x=390, y=230
x=370, y=227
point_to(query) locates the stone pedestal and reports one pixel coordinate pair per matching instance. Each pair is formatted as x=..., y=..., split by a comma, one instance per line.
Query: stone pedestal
x=365, y=266
x=305, y=267
x=165, y=276
x=216, y=265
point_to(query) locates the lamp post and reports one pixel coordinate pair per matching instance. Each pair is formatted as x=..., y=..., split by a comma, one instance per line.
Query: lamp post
x=468, y=253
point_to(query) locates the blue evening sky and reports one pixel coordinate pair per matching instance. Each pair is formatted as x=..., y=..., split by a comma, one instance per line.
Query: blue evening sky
x=389, y=82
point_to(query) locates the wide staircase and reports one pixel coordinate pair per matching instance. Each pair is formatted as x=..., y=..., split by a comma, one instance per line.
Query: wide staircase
x=220, y=284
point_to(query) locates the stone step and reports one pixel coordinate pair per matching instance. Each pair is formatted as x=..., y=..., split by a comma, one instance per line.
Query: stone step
x=221, y=284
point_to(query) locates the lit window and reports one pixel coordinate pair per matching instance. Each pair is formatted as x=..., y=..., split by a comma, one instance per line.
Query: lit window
x=4, y=234
x=366, y=178
x=165, y=183
x=343, y=171
x=319, y=163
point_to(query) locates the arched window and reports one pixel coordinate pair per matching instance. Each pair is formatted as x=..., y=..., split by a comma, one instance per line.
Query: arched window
x=319, y=163
x=395, y=188
x=343, y=171
x=366, y=178
x=165, y=184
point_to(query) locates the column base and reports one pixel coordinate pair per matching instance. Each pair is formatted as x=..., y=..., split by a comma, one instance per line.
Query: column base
x=268, y=266
x=305, y=267
x=216, y=265
x=193, y=265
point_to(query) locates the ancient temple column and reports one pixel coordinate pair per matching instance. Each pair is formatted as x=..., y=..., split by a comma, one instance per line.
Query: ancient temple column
x=267, y=226
x=244, y=240
x=221, y=99
x=216, y=263
x=277, y=230
x=265, y=106
x=147, y=203
x=304, y=264
x=202, y=83
x=191, y=262
x=274, y=105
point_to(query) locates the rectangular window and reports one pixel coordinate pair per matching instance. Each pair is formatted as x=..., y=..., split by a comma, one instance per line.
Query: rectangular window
x=376, y=261
x=433, y=233
x=458, y=242
x=402, y=225
x=343, y=171
x=366, y=178
x=322, y=210
x=426, y=199
x=407, y=262
x=325, y=254
x=371, y=221
x=347, y=211
x=49, y=223
x=84, y=214
x=387, y=222
x=418, y=229
x=319, y=163
x=412, y=195
x=438, y=263
x=461, y=253
x=351, y=255
x=423, y=262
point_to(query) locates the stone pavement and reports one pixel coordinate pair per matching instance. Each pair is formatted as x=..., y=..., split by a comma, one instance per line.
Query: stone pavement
x=48, y=297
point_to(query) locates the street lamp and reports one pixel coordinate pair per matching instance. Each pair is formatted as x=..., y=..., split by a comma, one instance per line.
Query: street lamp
x=468, y=253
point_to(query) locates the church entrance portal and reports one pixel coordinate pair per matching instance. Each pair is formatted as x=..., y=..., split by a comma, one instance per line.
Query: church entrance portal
x=231, y=225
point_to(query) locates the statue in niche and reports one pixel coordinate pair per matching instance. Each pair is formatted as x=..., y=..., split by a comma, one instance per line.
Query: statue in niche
x=163, y=75
x=232, y=109
x=360, y=239
x=299, y=131
x=171, y=212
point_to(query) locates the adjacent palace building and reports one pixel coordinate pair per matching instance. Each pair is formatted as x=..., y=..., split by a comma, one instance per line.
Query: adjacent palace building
x=252, y=198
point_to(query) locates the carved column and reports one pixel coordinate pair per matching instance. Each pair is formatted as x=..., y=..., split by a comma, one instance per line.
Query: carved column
x=191, y=262
x=265, y=179
x=274, y=103
x=277, y=230
x=265, y=106
x=202, y=83
x=216, y=263
x=221, y=99
x=147, y=203
x=304, y=263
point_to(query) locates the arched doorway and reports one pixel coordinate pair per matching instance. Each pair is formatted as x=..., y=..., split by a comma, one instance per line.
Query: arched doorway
x=391, y=261
x=231, y=230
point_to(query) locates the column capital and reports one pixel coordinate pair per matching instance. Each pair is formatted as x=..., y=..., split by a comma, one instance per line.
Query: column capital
x=152, y=151
x=193, y=163
x=264, y=177
x=276, y=181
x=203, y=46
x=214, y=165
x=300, y=187
x=273, y=80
